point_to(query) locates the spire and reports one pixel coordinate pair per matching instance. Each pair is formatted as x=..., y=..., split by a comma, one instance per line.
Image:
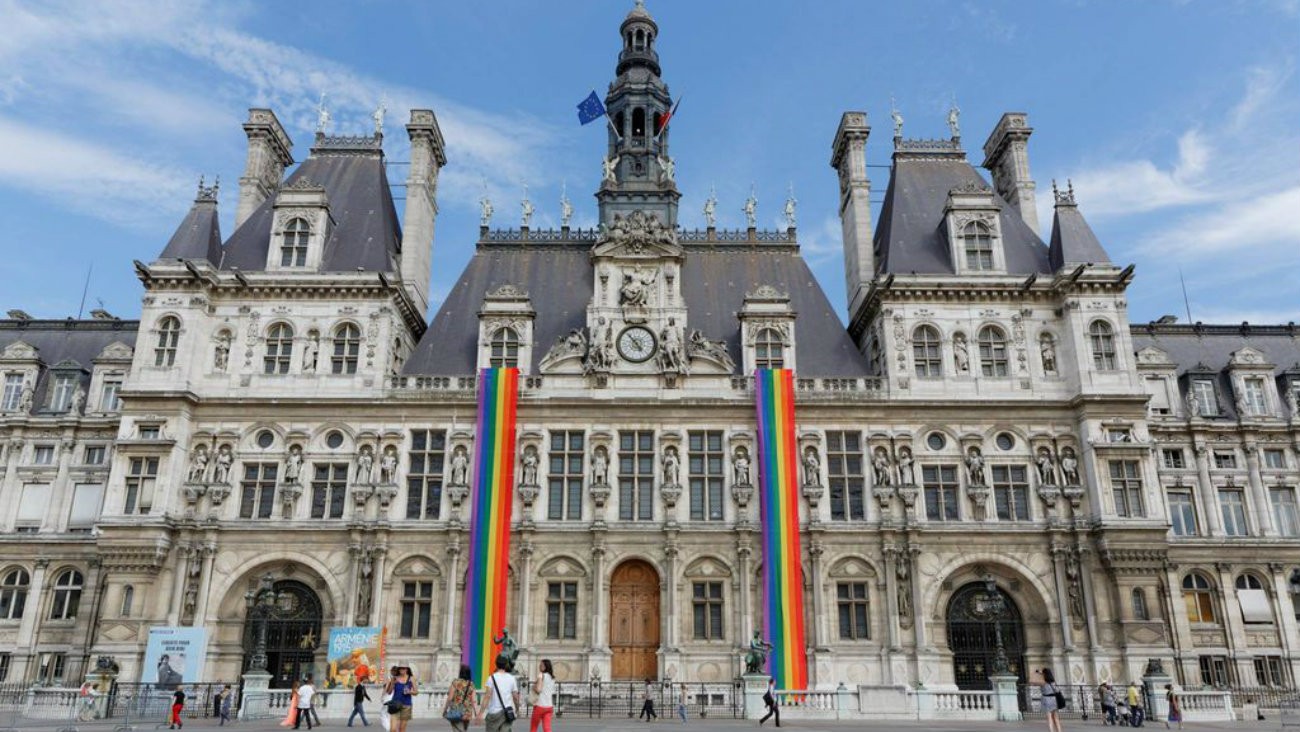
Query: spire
x=1073, y=242
x=199, y=235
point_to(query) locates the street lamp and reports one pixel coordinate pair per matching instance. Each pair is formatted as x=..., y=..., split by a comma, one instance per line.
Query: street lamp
x=995, y=606
x=263, y=604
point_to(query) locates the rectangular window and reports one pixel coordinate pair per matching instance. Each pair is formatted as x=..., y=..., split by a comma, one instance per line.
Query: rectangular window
x=424, y=473
x=329, y=490
x=1274, y=460
x=43, y=455
x=636, y=475
x=13, y=394
x=50, y=668
x=141, y=482
x=95, y=455
x=86, y=501
x=1173, y=458
x=1158, y=388
x=1225, y=459
x=108, y=400
x=1206, y=399
x=940, y=483
x=150, y=432
x=846, y=468
x=707, y=606
x=1119, y=434
x=61, y=398
x=1182, y=513
x=1285, y=512
x=1215, y=671
x=417, y=609
x=851, y=597
x=1126, y=487
x=1233, y=505
x=564, y=477
x=257, y=491
x=1270, y=671
x=1011, y=492
x=5, y=660
x=31, y=506
x=561, y=610
x=1253, y=395
x=706, y=474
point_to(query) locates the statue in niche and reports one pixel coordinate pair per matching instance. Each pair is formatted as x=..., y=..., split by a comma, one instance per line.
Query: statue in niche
x=364, y=589
x=906, y=476
x=975, y=466
x=904, y=574
x=600, y=353
x=1047, y=352
x=636, y=287
x=1046, y=467
x=609, y=169
x=388, y=466
x=293, y=465
x=740, y=466
x=198, y=465
x=27, y=398
x=529, y=462
x=600, y=466
x=78, y=400
x=460, y=466
x=1070, y=467
x=310, y=353
x=812, y=467
x=960, y=353
x=672, y=464
x=672, y=354
x=225, y=458
x=1074, y=591
x=221, y=352
x=365, y=465
x=880, y=466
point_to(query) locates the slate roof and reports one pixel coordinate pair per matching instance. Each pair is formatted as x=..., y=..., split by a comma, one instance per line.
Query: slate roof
x=558, y=279
x=911, y=235
x=1072, y=239
x=365, y=232
x=198, y=236
x=57, y=341
x=1209, y=348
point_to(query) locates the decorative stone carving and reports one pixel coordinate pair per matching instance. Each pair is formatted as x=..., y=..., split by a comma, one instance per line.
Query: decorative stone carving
x=600, y=466
x=1073, y=589
x=1193, y=405
x=1046, y=467
x=528, y=494
x=812, y=467
x=388, y=466
x=742, y=493
x=311, y=352
x=906, y=471
x=637, y=286
x=672, y=353
x=740, y=466
x=1073, y=494
x=218, y=493
x=386, y=493
x=27, y=398
x=460, y=466
x=573, y=345
x=1047, y=352
x=751, y=209
x=881, y=468
x=528, y=463
x=700, y=347
x=711, y=208
x=457, y=493
x=361, y=495
x=637, y=231
x=979, y=496
x=672, y=465
x=221, y=351
x=365, y=474
x=221, y=469
x=1070, y=466
x=198, y=470
x=600, y=353
x=813, y=494
x=960, y=353
x=903, y=573
x=908, y=494
x=975, y=466
x=289, y=495
x=609, y=169
x=293, y=465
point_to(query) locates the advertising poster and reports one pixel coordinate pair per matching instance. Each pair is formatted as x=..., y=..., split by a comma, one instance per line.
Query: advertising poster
x=356, y=655
x=174, y=656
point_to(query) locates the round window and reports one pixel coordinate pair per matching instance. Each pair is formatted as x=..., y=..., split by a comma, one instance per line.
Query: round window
x=936, y=441
x=1006, y=441
x=265, y=439
x=334, y=440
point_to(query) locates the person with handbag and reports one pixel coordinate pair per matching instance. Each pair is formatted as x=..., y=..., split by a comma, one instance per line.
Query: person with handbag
x=1175, y=708
x=402, y=686
x=544, y=704
x=501, y=685
x=769, y=701
x=1053, y=700
x=458, y=710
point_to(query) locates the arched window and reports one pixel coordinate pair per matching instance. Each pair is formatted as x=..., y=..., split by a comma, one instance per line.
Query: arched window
x=1198, y=595
x=640, y=40
x=347, y=345
x=293, y=244
x=279, y=349
x=638, y=122
x=504, y=348
x=128, y=599
x=1249, y=582
x=993, y=351
x=926, y=352
x=169, y=334
x=13, y=594
x=67, y=595
x=1252, y=595
x=1140, y=611
x=1103, y=345
x=769, y=351
x=977, y=242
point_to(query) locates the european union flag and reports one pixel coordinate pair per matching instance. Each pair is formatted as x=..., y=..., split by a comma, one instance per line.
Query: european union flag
x=590, y=109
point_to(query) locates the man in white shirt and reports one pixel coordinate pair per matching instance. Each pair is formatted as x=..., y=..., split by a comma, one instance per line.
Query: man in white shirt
x=500, y=693
x=305, y=692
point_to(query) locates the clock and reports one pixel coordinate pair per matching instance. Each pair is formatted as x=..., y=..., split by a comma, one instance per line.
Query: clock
x=637, y=344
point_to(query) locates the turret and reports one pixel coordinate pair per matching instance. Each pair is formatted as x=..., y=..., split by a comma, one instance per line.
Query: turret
x=269, y=154
x=1006, y=156
x=1073, y=242
x=199, y=235
x=427, y=159
x=848, y=157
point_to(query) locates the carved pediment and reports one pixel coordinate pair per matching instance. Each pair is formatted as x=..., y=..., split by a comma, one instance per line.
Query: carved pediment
x=67, y=364
x=116, y=351
x=637, y=236
x=19, y=351
x=1248, y=357
x=1153, y=355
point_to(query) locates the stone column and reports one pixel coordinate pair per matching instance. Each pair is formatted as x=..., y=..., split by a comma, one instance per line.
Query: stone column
x=179, y=574
x=35, y=609
x=1089, y=603
x=743, y=553
x=525, y=593
x=1258, y=495
x=355, y=552
x=1062, y=601
x=56, y=514
x=1180, y=627
x=449, y=637
x=1283, y=611
x=918, y=612
x=377, y=589
x=1233, y=625
x=10, y=487
x=815, y=551
x=891, y=603
x=1209, y=498
x=671, y=552
x=89, y=613
x=209, y=553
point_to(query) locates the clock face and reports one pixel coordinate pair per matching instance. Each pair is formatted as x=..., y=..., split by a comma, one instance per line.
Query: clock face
x=636, y=344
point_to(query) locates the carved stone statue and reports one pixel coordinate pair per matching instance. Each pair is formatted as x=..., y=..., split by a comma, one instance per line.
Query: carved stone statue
x=293, y=465
x=1047, y=351
x=485, y=210
x=1193, y=405
x=1291, y=405
x=198, y=465
x=881, y=468
x=751, y=209
x=672, y=354
x=365, y=466
x=460, y=466
x=566, y=211
x=78, y=400
x=636, y=287
x=790, y=204
x=27, y=399
x=740, y=466
x=710, y=208
x=1046, y=467
x=310, y=353
x=1243, y=409
x=698, y=345
x=221, y=472
x=528, y=461
x=960, y=354
x=667, y=169
x=221, y=352
x=1070, y=467
x=575, y=342
x=897, y=117
x=508, y=648
x=904, y=574
x=600, y=466
x=526, y=209
x=954, y=120
x=975, y=466
x=812, y=466
x=672, y=464
x=756, y=657
x=609, y=169
x=388, y=466
x=906, y=476
x=600, y=354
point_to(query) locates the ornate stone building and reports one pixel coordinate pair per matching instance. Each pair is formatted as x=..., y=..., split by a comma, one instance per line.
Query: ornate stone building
x=284, y=406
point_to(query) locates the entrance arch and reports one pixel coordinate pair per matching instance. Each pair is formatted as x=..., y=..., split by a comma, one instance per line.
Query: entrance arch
x=634, y=621
x=972, y=636
x=292, y=635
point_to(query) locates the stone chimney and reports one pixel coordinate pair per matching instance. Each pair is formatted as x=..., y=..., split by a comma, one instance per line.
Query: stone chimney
x=268, y=155
x=427, y=158
x=848, y=157
x=1006, y=156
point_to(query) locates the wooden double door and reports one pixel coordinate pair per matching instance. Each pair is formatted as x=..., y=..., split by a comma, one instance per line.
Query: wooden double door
x=634, y=621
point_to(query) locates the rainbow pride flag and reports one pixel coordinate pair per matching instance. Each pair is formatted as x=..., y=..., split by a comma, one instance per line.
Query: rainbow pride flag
x=489, y=537
x=778, y=491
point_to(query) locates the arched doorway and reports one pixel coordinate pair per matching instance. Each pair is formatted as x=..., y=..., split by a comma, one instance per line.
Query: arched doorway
x=293, y=633
x=972, y=635
x=634, y=621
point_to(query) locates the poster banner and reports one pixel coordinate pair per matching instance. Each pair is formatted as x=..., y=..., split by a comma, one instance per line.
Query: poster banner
x=174, y=656
x=356, y=656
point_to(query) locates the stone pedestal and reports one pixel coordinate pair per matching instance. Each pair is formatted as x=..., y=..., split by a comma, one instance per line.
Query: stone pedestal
x=1158, y=703
x=1004, y=697
x=256, y=701
x=755, y=687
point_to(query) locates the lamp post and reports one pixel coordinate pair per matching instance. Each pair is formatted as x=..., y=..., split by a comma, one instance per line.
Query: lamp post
x=996, y=605
x=263, y=604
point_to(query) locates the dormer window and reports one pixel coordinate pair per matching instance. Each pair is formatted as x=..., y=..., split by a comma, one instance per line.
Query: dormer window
x=347, y=346
x=13, y=393
x=1103, y=345
x=769, y=351
x=1207, y=401
x=169, y=335
x=977, y=241
x=1252, y=393
x=993, y=351
x=504, y=349
x=293, y=244
x=61, y=397
x=279, y=349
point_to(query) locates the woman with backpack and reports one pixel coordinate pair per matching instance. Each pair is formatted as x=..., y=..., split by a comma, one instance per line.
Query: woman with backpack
x=1053, y=699
x=458, y=710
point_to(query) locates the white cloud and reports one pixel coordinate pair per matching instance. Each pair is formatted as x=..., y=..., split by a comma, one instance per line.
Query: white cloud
x=1256, y=225
x=1141, y=185
x=1263, y=86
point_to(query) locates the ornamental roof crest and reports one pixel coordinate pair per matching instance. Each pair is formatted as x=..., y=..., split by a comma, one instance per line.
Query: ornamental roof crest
x=638, y=234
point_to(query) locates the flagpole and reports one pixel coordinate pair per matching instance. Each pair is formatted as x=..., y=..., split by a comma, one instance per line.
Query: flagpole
x=617, y=134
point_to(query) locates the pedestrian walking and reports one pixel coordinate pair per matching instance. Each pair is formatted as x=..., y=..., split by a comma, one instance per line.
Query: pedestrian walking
x=1053, y=700
x=178, y=704
x=544, y=705
x=499, y=713
x=403, y=687
x=769, y=700
x=386, y=719
x=1107, y=694
x=291, y=716
x=1137, y=714
x=681, y=703
x=359, y=697
x=315, y=717
x=305, y=692
x=216, y=703
x=648, y=703
x=1175, y=708
x=224, y=701
x=458, y=710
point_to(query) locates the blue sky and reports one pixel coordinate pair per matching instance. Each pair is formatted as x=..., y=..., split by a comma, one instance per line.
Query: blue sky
x=1179, y=122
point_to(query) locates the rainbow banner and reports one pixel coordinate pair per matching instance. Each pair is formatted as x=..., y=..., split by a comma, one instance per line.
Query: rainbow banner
x=489, y=537
x=778, y=491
